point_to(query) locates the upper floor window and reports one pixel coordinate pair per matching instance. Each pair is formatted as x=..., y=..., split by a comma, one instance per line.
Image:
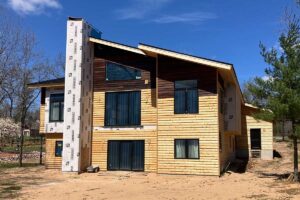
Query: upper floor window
x=123, y=108
x=56, y=108
x=116, y=71
x=186, y=97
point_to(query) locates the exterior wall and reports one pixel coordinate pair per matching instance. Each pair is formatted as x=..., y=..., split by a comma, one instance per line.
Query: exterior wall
x=78, y=96
x=51, y=127
x=228, y=149
x=243, y=141
x=203, y=126
x=52, y=162
x=102, y=134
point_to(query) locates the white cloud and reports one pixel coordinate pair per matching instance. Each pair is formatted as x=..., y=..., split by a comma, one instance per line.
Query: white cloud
x=191, y=17
x=26, y=7
x=138, y=9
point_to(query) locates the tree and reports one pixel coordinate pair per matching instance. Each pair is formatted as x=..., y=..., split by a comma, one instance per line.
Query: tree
x=278, y=93
x=20, y=64
x=9, y=130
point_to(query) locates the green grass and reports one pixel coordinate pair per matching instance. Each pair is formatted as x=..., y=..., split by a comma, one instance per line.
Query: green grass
x=8, y=165
x=26, y=148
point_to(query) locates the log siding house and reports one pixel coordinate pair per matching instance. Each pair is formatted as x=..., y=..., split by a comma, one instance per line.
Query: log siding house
x=145, y=109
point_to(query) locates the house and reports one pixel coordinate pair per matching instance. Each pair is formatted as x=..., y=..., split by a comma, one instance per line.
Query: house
x=145, y=108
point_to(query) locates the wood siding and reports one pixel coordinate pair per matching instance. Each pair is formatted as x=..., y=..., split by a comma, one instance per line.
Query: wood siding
x=249, y=122
x=42, y=110
x=52, y=162
x=102, y=134
x=202, y=126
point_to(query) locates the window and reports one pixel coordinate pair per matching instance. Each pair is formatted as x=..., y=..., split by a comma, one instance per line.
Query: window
x=123, y=108
x=120, y=72
x=56, y=108
x=186, y=148
x=221, y=101
x=186, y=97
x=58, y=148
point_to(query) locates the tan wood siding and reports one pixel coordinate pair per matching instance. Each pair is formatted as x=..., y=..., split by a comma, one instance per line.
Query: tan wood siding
x=202, y=126
x=52, y=162
x=102, y=134
x=249, y=122
x=42, y=118
x=42, y=110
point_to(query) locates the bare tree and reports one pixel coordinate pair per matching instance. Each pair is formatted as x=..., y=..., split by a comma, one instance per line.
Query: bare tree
x=21, y=64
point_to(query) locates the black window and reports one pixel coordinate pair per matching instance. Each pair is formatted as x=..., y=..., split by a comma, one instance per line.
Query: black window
x=56, y=108
x=186, y=97
x=123, y=108
x=58, y=148
x=186, y=148
x=220, y=141
x=116, y=71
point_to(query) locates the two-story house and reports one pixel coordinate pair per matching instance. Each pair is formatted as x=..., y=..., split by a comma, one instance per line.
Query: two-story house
x=145, y=109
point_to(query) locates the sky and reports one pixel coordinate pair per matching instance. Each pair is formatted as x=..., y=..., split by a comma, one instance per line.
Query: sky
x=228, y=31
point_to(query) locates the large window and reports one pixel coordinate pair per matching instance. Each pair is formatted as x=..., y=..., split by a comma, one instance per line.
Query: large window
x=56, y=108
x=58, y=148
x=120, y=72
x=123, y=108
x=186, y=148
x=186, y=97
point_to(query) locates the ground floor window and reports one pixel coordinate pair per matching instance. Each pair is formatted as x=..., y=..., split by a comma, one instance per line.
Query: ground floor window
x=58, y=148
x=186, y=148
x=126, y=155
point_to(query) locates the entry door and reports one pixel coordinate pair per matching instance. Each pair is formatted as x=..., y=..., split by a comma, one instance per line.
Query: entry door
x=255, y=135
x=126, y=155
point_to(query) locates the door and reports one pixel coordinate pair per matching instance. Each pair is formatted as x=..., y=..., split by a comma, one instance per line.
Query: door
x=255, y=136
x=125, y=155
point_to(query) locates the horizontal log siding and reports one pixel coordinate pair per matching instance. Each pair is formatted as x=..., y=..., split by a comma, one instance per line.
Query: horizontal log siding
x=51, y=161
x=248, y=122
x=203, y=126
x=148, y=117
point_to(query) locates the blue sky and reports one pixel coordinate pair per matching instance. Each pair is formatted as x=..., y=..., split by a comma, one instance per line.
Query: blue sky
x=228, y=31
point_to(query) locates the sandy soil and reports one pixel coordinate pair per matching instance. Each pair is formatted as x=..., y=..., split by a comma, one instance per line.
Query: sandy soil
x=263, y=180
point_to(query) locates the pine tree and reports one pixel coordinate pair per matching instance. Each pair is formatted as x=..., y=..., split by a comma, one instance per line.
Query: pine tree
x=278, y=93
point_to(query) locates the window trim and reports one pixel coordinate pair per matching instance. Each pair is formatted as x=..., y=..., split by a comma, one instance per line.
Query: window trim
x=125, y=66
x=56, y=145
x=128, y=125
x=60, y=111
x=186, y=104
x=186, y=149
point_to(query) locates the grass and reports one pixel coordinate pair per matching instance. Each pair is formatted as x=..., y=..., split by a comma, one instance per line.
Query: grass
x=26, y=148
x=8, y=165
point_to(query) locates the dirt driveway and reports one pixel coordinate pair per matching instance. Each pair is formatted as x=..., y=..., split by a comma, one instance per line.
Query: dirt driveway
x=262, y=181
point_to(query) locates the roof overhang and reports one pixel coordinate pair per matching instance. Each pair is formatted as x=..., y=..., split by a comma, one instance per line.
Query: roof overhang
x=60, y=82
x=150, y=50
x=116, y=45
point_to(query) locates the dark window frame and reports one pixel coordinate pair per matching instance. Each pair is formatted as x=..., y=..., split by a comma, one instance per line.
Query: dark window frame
x=61, y=111
x=186, y=149
x=128, y=106
x=186, y=97
x=137, y=71
x=56, y=146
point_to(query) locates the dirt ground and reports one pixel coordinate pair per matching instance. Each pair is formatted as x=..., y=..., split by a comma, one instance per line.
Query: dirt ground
x=263, y=180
